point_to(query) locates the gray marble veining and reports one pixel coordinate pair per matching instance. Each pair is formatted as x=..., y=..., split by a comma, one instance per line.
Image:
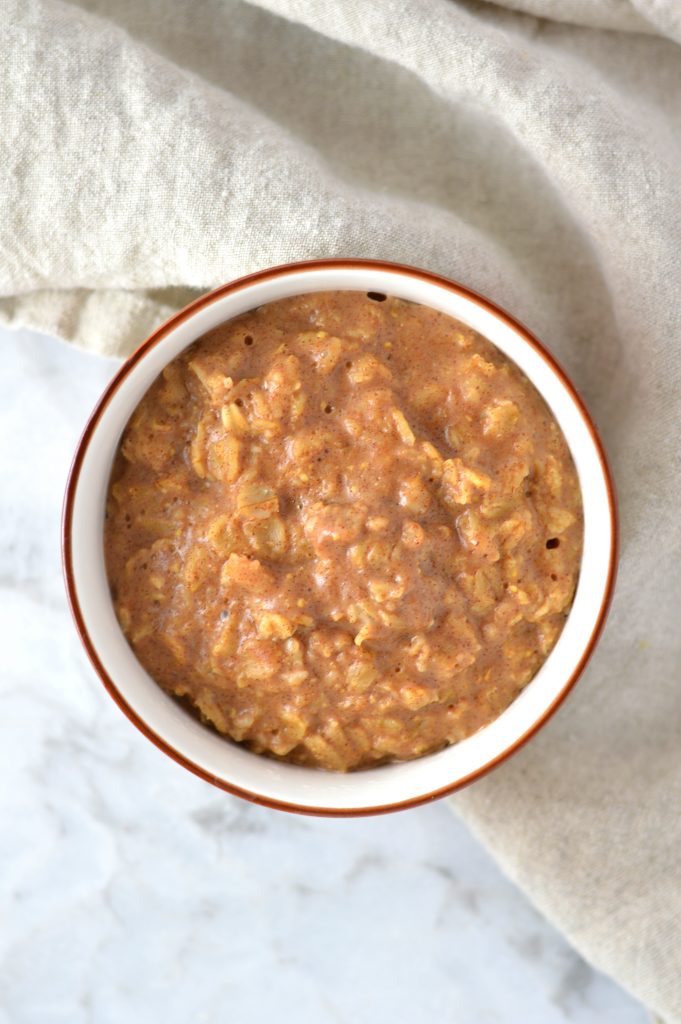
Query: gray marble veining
x=131, y=891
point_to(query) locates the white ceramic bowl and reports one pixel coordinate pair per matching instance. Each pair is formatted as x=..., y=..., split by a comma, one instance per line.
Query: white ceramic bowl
x=231, y=767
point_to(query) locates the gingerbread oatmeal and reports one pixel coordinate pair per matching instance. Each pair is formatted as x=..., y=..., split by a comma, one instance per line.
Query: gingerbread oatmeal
x=344, y=529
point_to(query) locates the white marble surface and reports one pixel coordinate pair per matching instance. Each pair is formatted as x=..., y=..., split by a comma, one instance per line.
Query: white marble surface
x=131, y=891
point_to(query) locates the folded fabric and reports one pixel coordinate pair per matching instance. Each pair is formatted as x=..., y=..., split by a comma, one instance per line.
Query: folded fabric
x=151, y=151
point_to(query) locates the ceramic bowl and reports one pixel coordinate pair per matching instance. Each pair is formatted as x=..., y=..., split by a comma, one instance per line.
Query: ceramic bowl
x=232, y=767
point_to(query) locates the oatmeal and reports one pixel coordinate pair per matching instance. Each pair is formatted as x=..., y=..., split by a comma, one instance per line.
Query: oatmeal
x=344, y=529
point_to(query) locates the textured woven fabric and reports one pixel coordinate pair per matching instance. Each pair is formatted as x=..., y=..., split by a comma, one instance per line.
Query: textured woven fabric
x=150, y=151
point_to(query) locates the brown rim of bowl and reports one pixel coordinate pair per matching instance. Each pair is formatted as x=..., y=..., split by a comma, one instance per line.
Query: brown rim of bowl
x=157, y=336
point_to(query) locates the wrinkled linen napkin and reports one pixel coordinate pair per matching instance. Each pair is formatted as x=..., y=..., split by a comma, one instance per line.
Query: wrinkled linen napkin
x=151, y=151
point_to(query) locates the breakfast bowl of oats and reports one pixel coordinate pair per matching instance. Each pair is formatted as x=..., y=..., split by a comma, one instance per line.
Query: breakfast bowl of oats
x=340, y=536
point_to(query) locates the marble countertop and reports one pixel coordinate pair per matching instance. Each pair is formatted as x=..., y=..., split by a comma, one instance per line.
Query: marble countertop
x=132, y=891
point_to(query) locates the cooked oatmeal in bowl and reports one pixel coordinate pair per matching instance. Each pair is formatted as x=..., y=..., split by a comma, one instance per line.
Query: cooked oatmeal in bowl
x=339, y=537
x=344, y=528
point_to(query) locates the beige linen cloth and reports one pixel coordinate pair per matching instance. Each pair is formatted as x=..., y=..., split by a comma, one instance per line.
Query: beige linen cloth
x=151, y=150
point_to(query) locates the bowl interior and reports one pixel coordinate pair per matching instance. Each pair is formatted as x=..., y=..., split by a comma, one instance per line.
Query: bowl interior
x=226, y=763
